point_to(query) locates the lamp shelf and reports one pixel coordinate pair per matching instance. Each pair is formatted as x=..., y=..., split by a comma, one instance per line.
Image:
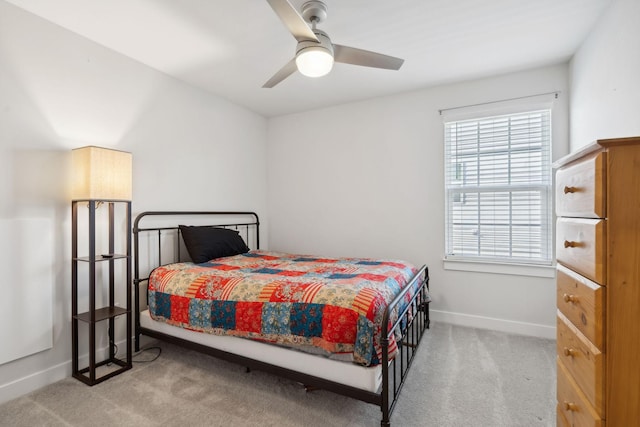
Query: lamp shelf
x=84, y=375
x=101, y=258
x=102, y=314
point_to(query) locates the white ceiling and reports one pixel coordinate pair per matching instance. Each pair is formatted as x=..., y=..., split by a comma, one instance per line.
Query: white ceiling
x=232, y=47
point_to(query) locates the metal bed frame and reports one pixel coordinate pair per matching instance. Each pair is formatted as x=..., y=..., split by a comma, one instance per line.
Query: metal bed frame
x=411, y=324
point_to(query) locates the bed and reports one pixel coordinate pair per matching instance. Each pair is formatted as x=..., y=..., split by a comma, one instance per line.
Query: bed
x=348, y=325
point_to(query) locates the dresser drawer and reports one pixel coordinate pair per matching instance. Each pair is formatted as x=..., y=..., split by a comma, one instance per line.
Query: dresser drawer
x=583, y=360
x=572, y=402
x=582, y=302
x=581, y=246
x=580, y=188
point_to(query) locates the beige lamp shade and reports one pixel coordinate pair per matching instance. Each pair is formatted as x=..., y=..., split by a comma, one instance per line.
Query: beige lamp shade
x=101, y=174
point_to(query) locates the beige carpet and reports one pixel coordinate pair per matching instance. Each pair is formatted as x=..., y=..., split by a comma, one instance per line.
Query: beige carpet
x=461, y=377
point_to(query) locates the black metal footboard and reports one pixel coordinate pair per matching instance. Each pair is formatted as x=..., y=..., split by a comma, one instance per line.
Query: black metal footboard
x=407, y=331
x=404, y=324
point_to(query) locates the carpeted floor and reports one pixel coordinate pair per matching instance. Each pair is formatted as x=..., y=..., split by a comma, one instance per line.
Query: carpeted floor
x=461, y=377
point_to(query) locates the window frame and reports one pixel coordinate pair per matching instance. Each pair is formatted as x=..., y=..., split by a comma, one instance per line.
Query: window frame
x=540, y=267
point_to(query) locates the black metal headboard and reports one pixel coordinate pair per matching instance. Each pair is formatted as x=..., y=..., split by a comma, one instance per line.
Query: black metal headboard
x=163, y=223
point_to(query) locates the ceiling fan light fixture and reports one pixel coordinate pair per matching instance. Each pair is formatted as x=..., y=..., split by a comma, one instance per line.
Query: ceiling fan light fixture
x=314, y=61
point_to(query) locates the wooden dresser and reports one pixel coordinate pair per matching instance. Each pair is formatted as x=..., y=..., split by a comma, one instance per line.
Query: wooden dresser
x=598, y=285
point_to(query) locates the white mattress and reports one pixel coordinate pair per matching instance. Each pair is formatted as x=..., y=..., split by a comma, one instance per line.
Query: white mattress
x=365, y=378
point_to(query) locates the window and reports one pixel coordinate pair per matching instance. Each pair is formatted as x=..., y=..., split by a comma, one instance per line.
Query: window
x=498, y=188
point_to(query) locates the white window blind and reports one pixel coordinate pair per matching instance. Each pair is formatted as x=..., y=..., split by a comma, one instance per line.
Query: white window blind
x=498, y=188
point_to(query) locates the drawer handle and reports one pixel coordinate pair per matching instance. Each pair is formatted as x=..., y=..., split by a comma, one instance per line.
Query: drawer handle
x=568, y=406
x=569, y=352
x=568, y=189
x=570, y=298
x=571, y=244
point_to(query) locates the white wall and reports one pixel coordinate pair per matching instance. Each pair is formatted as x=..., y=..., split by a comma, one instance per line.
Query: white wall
x=59, y=91
x=366, y=179
x=605, y=78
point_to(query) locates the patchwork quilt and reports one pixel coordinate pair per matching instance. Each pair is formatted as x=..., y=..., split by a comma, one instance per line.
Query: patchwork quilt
x=334, y=304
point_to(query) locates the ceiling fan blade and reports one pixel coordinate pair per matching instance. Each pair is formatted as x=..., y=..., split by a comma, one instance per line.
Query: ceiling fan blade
x=293, y=20
x=284, y=72
x=351, y=55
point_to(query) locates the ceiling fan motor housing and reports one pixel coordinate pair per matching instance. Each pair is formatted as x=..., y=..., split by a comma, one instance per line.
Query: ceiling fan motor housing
x=325, y=43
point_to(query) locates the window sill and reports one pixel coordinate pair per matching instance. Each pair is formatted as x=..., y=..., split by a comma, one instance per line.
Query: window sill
x=547, y=271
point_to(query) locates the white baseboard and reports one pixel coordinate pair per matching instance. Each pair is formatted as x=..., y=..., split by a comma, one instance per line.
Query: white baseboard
x=502, y=325
x=34, y=381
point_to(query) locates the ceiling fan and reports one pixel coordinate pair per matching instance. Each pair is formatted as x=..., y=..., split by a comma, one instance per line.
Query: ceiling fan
x=315, y=54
